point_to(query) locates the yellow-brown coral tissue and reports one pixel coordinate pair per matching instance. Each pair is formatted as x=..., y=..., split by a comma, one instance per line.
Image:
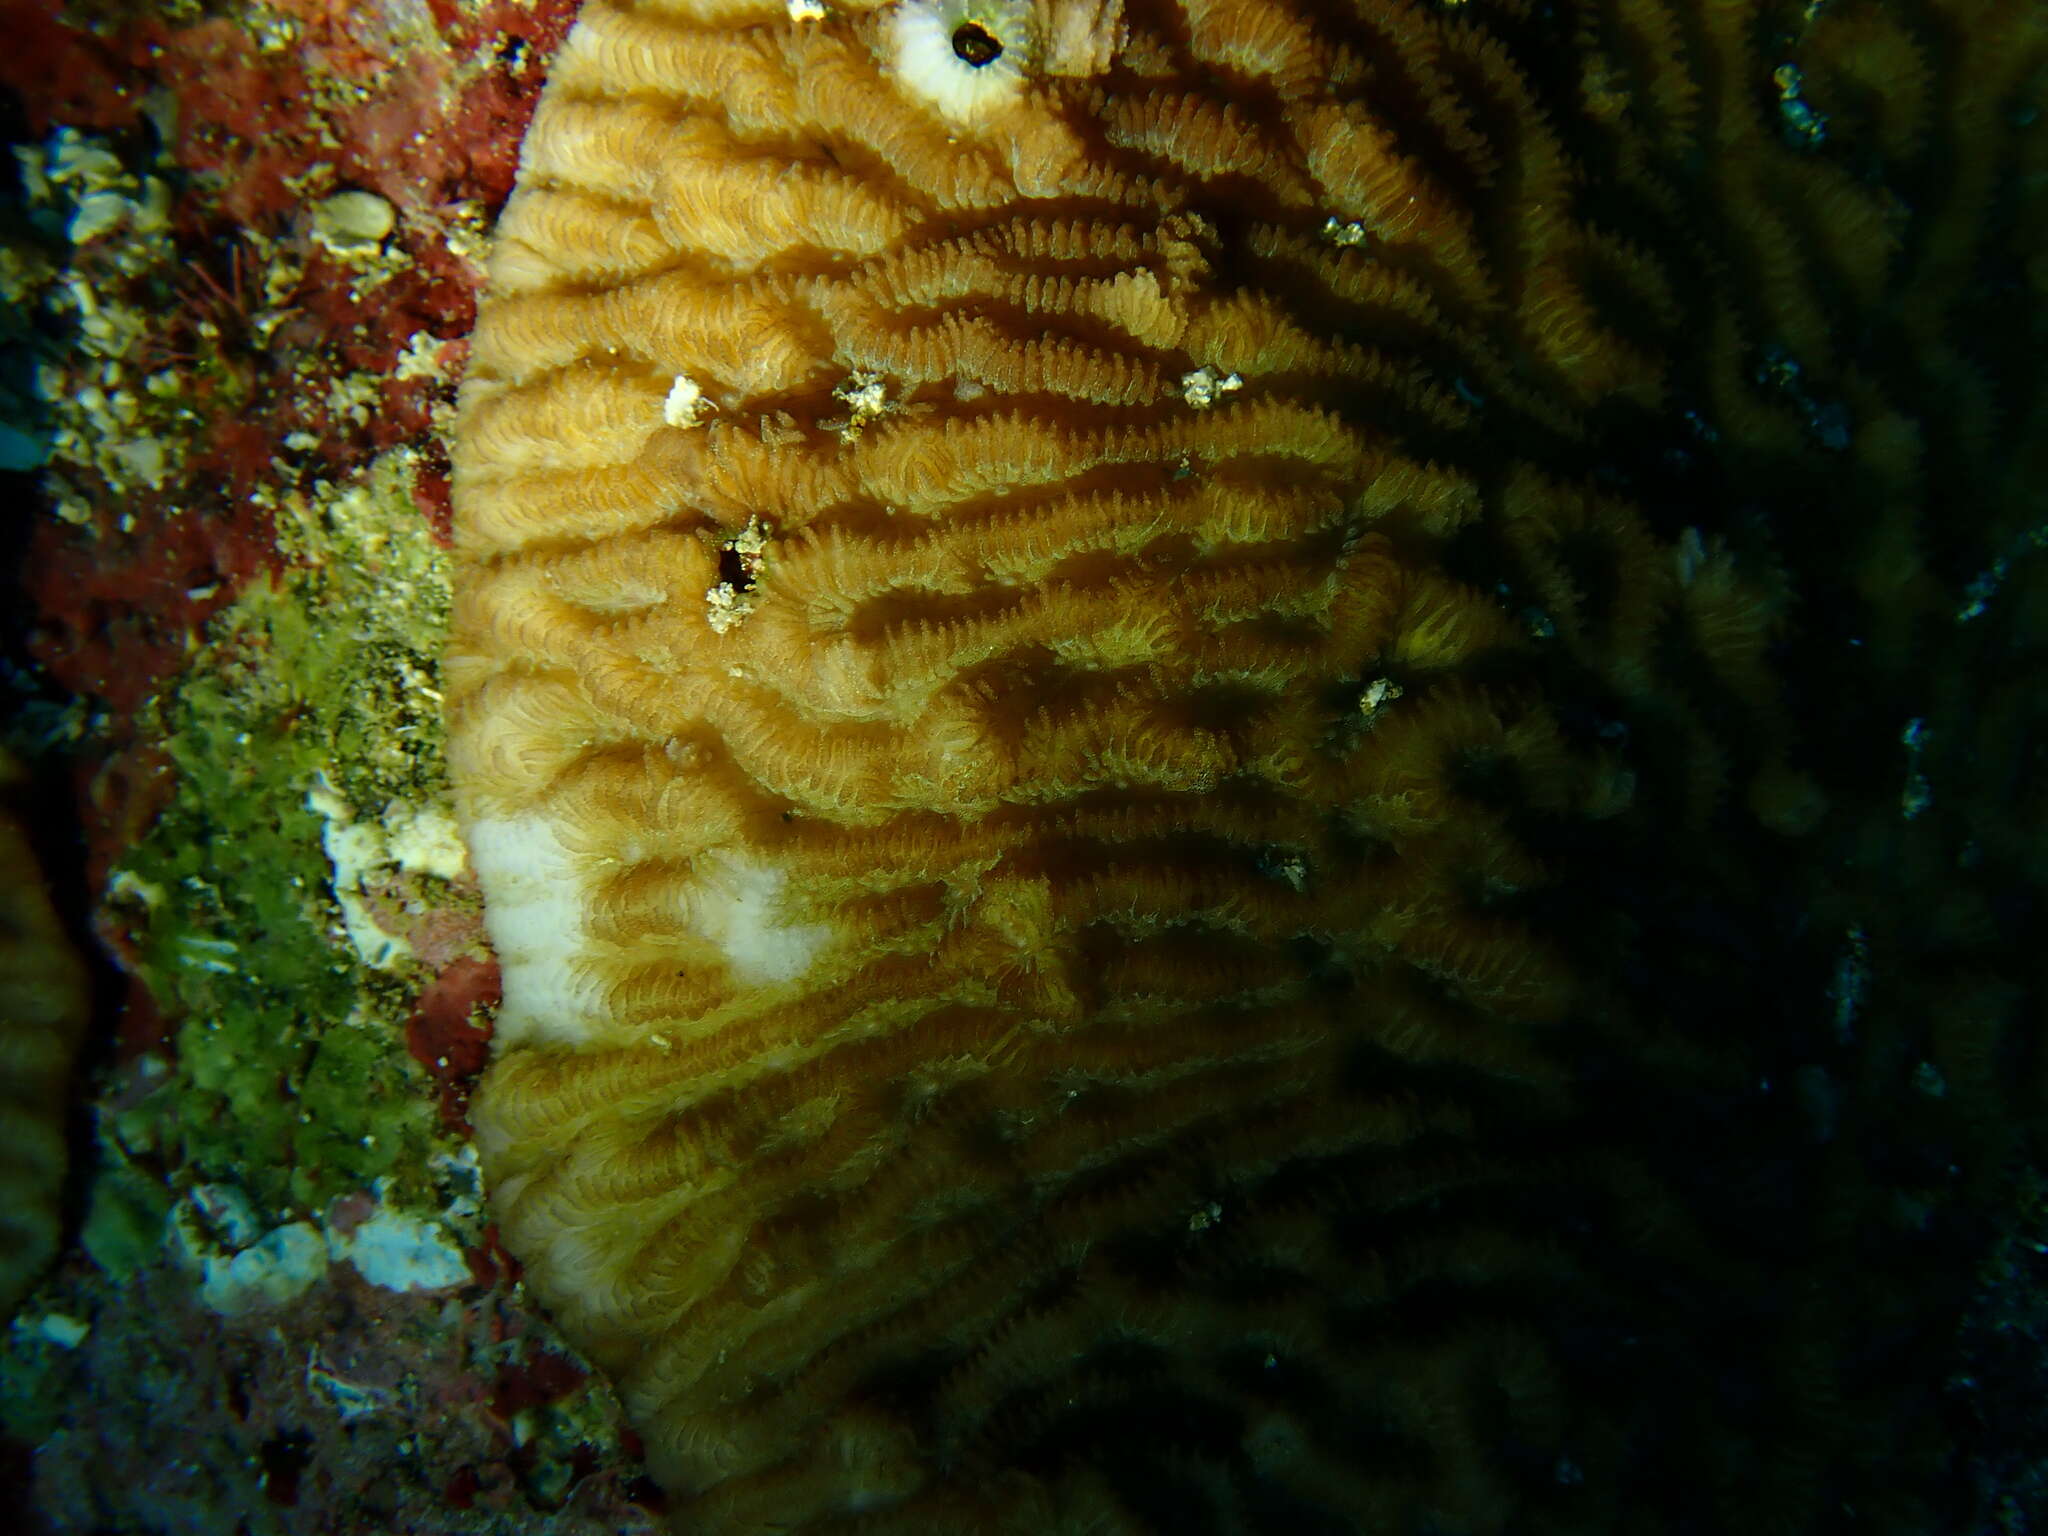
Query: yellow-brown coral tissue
x=1052, y=594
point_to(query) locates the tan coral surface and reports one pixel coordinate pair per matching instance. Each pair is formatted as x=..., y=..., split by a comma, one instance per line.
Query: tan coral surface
x=43, y=1004
x=1005, y=819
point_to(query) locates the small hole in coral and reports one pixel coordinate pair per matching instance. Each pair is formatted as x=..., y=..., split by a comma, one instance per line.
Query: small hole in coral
x=735, y=570
x=975, y=44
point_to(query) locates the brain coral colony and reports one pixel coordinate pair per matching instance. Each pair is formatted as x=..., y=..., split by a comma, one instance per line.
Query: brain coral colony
x=1250, y=767
x=1239, y=766
x=239, y=250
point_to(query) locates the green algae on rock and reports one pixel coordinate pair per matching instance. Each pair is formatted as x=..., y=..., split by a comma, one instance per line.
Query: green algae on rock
x=312, y=696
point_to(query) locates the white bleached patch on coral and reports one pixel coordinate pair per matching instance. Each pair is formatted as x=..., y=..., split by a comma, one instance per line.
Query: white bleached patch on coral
x=685, y=405
x=534, y=894
x=736, y=904
x=927, y=60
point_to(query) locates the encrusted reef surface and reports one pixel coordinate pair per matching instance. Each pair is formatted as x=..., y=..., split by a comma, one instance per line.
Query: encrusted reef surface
x=1782, y=601
x=240, y=257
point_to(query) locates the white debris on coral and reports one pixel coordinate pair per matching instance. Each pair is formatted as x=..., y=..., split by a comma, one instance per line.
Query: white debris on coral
x=425, y=840
x=125, y=884
x=1851, y=982
x=1291, y=869
x=722, y=607
x=1984, y=586
x=353, y=397
x=104, y=412
x=685, y=405
x=352, y=1400
x=1205, y=386
x=243, y=1266
x=101, y=213
x=459, y=1175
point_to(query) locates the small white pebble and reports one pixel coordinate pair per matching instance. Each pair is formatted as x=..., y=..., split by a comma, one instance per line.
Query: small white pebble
x=353, y=223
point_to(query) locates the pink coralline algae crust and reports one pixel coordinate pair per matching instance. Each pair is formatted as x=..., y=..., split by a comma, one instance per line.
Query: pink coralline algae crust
x=448, y=1033
x=294, y=367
